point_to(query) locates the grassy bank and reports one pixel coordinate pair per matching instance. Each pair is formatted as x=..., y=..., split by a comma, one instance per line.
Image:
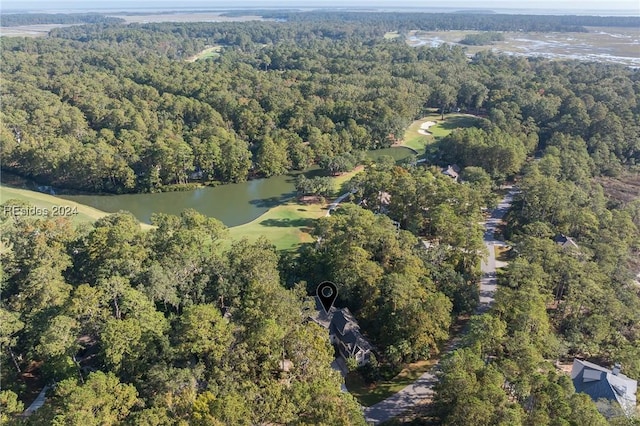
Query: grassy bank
x=286, y=226
x=209, y=52
x=289, y=225
x=85, y=214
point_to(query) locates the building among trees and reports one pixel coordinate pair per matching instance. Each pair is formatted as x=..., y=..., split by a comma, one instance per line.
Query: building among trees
x=601, y=383
x=565, y=242
x=344, y=333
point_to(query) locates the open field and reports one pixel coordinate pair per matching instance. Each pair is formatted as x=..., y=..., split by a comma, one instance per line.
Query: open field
x=618, y=45
x=368, y=396
x=418, y=141
x=40, y=30
x=209, y=52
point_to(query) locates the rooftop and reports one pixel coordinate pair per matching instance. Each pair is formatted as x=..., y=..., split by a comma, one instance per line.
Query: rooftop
x=599, y=382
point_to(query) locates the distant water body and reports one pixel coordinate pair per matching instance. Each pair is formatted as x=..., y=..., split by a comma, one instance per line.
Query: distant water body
x=116, y=7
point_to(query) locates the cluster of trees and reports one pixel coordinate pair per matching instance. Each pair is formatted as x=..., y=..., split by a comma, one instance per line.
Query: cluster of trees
x=159, y=327
x=383, y=279
x=495, y=151
x=113, y=108
x=554, y=303
x=16, y=19
x=482, y=39
x=340, y=163
x=403, y=294
x=317, y=185
x=389, y=21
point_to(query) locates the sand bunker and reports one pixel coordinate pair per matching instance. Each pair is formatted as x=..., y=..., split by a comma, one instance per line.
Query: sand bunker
x=425, y=126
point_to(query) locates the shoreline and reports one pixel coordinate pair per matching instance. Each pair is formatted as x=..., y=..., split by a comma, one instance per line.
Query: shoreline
x=285, y=225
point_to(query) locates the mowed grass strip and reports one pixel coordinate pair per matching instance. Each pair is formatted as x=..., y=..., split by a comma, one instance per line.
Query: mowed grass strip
x=86, y=214
x=286, y=226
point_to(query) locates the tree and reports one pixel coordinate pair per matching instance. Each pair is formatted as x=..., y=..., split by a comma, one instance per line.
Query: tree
x=272, y=158
x=443, y=96
x=203, y=332
x=101, y=400
x=471, y=390
x=10, y=406
x=114, y=247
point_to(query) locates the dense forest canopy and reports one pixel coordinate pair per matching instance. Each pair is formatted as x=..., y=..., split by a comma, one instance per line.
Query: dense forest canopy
x=126, y=113
x=16, y=19
x=166, y=327
x=462, y=20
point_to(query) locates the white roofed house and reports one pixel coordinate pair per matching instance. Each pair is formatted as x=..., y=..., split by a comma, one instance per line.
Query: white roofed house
x=601, y=383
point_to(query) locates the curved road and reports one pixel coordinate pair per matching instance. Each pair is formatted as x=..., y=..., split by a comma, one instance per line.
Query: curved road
x=422, y=388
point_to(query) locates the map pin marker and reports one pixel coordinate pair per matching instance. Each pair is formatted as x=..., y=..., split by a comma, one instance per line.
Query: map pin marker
x=327, y=293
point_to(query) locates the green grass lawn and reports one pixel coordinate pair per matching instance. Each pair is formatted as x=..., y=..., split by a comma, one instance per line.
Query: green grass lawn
x=419, y=142
x=288, y=225
x=391, y=35
x=45, y=201
x=86, y=214
x=370, y=395
x=209, y=52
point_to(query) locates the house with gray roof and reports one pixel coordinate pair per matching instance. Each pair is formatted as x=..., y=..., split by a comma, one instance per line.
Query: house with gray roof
x=344, y=332
x=565, y=242
x=601, y=383
x=453, y=171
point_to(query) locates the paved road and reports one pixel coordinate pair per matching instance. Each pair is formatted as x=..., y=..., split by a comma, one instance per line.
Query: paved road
x=488, y=284
x=422, y=388
x=337, y=202
x=37, y=403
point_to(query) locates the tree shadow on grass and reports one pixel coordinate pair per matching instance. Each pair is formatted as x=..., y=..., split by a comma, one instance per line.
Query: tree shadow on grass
x=287, y=223
x=452, y=123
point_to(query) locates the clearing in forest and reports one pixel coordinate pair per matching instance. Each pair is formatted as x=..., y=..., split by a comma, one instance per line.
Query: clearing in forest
x=428, y=129
x=209, y=52
x=86, y=214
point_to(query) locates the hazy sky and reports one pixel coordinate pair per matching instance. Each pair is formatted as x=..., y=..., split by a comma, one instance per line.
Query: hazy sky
x=488, y=4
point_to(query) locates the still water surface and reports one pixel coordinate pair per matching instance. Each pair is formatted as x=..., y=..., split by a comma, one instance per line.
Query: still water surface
x=234, y=204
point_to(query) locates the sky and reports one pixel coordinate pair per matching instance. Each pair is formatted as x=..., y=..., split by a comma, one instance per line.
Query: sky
x=464, y=4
